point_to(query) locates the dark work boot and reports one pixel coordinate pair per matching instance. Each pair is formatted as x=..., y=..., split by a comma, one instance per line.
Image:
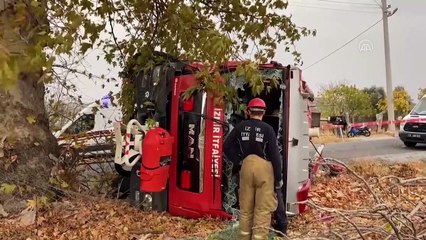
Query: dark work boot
x=280, y=227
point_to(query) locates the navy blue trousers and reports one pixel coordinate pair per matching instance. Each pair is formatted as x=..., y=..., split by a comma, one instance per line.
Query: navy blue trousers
x=280, y=215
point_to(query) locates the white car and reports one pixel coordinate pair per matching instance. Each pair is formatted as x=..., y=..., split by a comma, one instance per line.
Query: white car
x=413, y=128
x=90, y=133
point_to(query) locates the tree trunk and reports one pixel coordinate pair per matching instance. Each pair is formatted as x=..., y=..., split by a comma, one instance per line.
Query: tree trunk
x=24, y=126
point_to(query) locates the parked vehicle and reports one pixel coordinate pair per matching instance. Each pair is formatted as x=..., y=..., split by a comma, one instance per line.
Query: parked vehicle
x=359, y=131
x=413, y=126
x=90, y=133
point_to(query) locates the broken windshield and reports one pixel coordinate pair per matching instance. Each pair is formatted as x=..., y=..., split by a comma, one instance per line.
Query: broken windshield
x=272, y=73
x=420, y=108
x=267, y=73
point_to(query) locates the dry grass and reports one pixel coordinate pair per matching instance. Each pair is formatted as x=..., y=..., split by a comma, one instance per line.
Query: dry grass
x=371, y=168
x=328, y=137
x=345, y=207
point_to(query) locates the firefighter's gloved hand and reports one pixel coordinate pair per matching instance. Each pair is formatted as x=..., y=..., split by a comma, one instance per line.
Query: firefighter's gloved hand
x=279, y=185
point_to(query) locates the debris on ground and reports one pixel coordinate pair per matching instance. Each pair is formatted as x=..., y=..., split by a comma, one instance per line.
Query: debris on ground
x=340, y=208
x=109, y=219
x=343, y=206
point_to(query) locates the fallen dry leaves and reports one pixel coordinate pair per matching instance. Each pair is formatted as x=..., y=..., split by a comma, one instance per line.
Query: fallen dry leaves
x=341, y=203
x=112, y=220
x=338, y=204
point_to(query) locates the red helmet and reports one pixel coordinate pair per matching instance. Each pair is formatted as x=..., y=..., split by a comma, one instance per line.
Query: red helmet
x=257, y=104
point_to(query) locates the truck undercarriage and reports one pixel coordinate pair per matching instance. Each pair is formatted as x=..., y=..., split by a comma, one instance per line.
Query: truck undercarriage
x=199, y=180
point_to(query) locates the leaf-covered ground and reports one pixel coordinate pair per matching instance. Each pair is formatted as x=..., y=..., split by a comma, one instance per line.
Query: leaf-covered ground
x=344, y=202
x=112, y=220
x=109, y=219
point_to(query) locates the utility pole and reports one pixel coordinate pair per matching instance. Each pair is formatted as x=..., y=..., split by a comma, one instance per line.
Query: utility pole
x=389, y=87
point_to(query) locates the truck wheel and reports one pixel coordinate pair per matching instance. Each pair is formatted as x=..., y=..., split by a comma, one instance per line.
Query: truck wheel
x=159, y=200
x=410, y=144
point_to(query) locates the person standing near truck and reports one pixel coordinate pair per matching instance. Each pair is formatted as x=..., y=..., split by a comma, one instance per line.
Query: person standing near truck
x=253, y=145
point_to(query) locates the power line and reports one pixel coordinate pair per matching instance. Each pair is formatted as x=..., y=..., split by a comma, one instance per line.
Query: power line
x=341, y=47
x=326, y=8
x=378, y=4
x=354, y=3
x=335, y=3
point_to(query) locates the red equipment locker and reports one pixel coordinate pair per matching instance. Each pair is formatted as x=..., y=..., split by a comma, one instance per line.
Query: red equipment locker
x=156, y=152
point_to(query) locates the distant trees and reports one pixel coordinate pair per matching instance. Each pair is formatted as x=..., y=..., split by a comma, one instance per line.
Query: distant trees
x=343, y=98
x=376, y=94
x=402, y=102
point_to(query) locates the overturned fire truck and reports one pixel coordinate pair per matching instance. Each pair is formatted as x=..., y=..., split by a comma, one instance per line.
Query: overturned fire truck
x=178, y=166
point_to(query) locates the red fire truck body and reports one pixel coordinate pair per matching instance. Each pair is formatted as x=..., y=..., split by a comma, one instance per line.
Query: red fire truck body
x=184, y=174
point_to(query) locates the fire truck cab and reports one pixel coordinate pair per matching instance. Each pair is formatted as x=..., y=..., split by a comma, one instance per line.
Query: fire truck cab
x=177, y=165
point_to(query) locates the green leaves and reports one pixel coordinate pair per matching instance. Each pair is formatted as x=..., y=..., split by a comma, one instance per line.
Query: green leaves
x=204, y=31
x=31, y=119
x=37, y=203
x=86, y=4
x=9, y=70
x=280, y=4
x=402, y=102
x=376, y=94
x=7, y=188
x=35, y=3
x=343, y=98
x=85, y=46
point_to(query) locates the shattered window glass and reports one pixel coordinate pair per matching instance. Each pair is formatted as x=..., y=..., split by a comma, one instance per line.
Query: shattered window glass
x=85, y=123
x=268, y=74
x=271, y=73
x=156, y=75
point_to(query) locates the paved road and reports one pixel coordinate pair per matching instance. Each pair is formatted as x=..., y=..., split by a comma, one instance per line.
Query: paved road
x=387, y=148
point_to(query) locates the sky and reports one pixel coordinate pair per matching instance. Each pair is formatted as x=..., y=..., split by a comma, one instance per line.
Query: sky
x=360, y=62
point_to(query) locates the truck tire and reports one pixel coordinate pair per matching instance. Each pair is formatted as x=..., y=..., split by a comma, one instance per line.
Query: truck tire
x=142, y=200
x=135, y=195
x=410, y=144
x=160, y=200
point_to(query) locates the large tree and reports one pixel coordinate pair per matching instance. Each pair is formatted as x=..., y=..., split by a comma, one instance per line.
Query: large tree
x=376, y=94
x=402, y=102
x=34, y=33
x=25, y=136
x=343, y=98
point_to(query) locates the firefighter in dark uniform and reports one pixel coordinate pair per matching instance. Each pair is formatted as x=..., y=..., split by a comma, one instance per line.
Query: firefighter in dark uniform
x=254, y=143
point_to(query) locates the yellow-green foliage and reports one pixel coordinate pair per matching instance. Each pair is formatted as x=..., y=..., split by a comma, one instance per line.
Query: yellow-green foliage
x=401, y=99
x=206, y=31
